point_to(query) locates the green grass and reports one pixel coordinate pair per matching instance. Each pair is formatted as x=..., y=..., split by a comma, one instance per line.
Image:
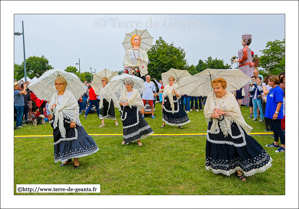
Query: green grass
x=162, y=166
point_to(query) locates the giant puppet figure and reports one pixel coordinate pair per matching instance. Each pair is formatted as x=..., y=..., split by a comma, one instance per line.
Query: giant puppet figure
x=245, y=63
x=136, y=44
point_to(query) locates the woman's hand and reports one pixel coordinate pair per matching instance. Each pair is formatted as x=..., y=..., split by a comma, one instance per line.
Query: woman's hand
x=236, y=60
x=215, y=115
x=219, y=112
x=275, y=116
x=121, y=104
x=54, y=105
x=126, y=103
x=138, y=58
x=142, y=111
x=73, y=125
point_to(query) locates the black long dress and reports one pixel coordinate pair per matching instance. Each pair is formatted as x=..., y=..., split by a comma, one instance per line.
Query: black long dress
x=76, y=144
x=237, y=151
x=179, y=118
x=107, y=111
x=134, y=126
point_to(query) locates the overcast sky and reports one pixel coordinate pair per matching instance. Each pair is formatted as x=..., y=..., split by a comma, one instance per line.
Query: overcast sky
x=97, y=39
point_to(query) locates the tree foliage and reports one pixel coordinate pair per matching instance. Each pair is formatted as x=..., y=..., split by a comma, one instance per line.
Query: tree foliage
x=71, y=69
x=210, y=63
x=85, y=76
x=273, y=57
x=191, y=69
x=163, y=56
x=35, y=66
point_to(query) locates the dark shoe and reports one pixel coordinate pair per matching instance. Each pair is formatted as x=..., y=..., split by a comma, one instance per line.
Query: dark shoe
x=272, y=145
x=180, y=127
x=267, y=130
x=75, y=167
x=280, y=149
x=162, y=126
x=69, y=160
x=240, y=176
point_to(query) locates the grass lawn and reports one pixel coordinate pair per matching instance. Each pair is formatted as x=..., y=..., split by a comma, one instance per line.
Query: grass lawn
x=162, y=166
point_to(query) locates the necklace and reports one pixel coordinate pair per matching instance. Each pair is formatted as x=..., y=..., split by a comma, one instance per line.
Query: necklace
x=137, y=52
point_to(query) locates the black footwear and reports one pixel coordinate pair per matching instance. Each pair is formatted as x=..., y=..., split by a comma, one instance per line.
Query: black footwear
x=267, y=130
x=240, y=176
x=75, y=167
x=69, y=160
x=180, y=127
x=162, y=126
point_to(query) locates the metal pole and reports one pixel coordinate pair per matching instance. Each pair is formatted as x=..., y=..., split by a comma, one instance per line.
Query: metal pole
x=90, y=75
x=79, y=70
x=24, y=51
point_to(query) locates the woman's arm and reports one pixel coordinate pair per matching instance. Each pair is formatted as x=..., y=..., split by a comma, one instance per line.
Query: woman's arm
x=275, y=116
x=265, y=90
x=244, y=58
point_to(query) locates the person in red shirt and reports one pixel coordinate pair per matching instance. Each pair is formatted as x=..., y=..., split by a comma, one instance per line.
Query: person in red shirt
x=37, y=118
x=93, y=100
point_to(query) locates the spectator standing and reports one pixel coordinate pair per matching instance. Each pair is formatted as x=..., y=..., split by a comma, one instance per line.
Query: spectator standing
x=197, y=101
x=84, y=97
x=19, y=103
x=161, y=98
x=274, y=111
x=266, y=89
x=187, y=100
x=26, y=103
x=257, y=74
x=252, y=82
x=282, y=86
x=256, y=91
x=80, y=102
x=148, y=94
x=48, y=108
x=93, y=100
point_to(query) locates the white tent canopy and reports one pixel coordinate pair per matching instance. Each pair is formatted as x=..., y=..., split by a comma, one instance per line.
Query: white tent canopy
x=23, y=79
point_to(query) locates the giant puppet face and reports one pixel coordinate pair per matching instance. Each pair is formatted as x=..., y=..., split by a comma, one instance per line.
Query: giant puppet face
x=135, y=41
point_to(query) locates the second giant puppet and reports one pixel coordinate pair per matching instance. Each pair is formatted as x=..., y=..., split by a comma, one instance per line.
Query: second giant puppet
x=245, y=63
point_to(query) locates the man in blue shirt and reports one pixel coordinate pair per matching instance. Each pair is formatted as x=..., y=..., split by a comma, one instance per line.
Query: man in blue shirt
x=274, y=111
x=19, y=102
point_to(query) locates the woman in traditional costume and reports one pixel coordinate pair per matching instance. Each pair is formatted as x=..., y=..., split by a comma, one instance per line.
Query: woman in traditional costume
x=229, y=149
x=70, y=138
x=136, y=57
x=173, y=111
x=246, y=66
x=134, y=126
x=106, y=105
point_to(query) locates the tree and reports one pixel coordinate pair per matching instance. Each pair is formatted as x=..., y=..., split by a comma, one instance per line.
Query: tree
x=191, y=69
x=212, y=64
x=200, y=66
x=273, y=56
x=85, y=76
x=35, y=66
x=18, y=72
x=163, y=56
x=71, y=69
